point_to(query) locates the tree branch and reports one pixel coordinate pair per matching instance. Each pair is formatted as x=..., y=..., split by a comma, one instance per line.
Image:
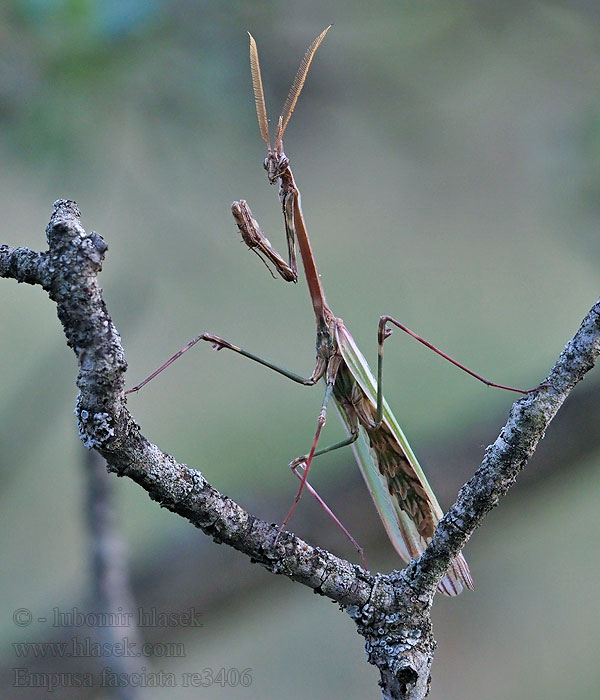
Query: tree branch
x=68, y=271
x=391, y=612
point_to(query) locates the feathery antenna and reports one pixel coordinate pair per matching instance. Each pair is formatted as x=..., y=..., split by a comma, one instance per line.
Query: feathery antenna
x=259, y=95
x=297, y=86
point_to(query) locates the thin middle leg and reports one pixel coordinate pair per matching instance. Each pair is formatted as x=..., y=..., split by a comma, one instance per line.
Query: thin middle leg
x=218, y=344
x=384, y=332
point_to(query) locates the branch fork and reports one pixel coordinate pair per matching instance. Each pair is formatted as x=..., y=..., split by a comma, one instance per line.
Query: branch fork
x=390, y=611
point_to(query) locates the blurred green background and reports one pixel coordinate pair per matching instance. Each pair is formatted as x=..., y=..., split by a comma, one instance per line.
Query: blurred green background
x=448, y=158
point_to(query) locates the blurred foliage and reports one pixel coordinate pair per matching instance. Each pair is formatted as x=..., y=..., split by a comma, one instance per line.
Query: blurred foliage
x=447, y=155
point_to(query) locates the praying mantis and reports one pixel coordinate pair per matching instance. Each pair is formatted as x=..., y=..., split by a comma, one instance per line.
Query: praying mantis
x=404, y=500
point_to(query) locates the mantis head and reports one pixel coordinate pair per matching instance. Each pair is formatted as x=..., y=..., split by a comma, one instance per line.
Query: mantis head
x=276, y=162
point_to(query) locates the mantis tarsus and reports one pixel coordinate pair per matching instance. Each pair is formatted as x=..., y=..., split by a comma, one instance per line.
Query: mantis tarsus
x=405, y=501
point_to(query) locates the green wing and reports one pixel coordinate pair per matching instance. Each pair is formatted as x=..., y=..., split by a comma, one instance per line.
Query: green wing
x=399, y=524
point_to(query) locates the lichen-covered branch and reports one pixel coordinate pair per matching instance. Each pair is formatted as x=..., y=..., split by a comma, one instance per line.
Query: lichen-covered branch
x=68, y=271
x=391, y=612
